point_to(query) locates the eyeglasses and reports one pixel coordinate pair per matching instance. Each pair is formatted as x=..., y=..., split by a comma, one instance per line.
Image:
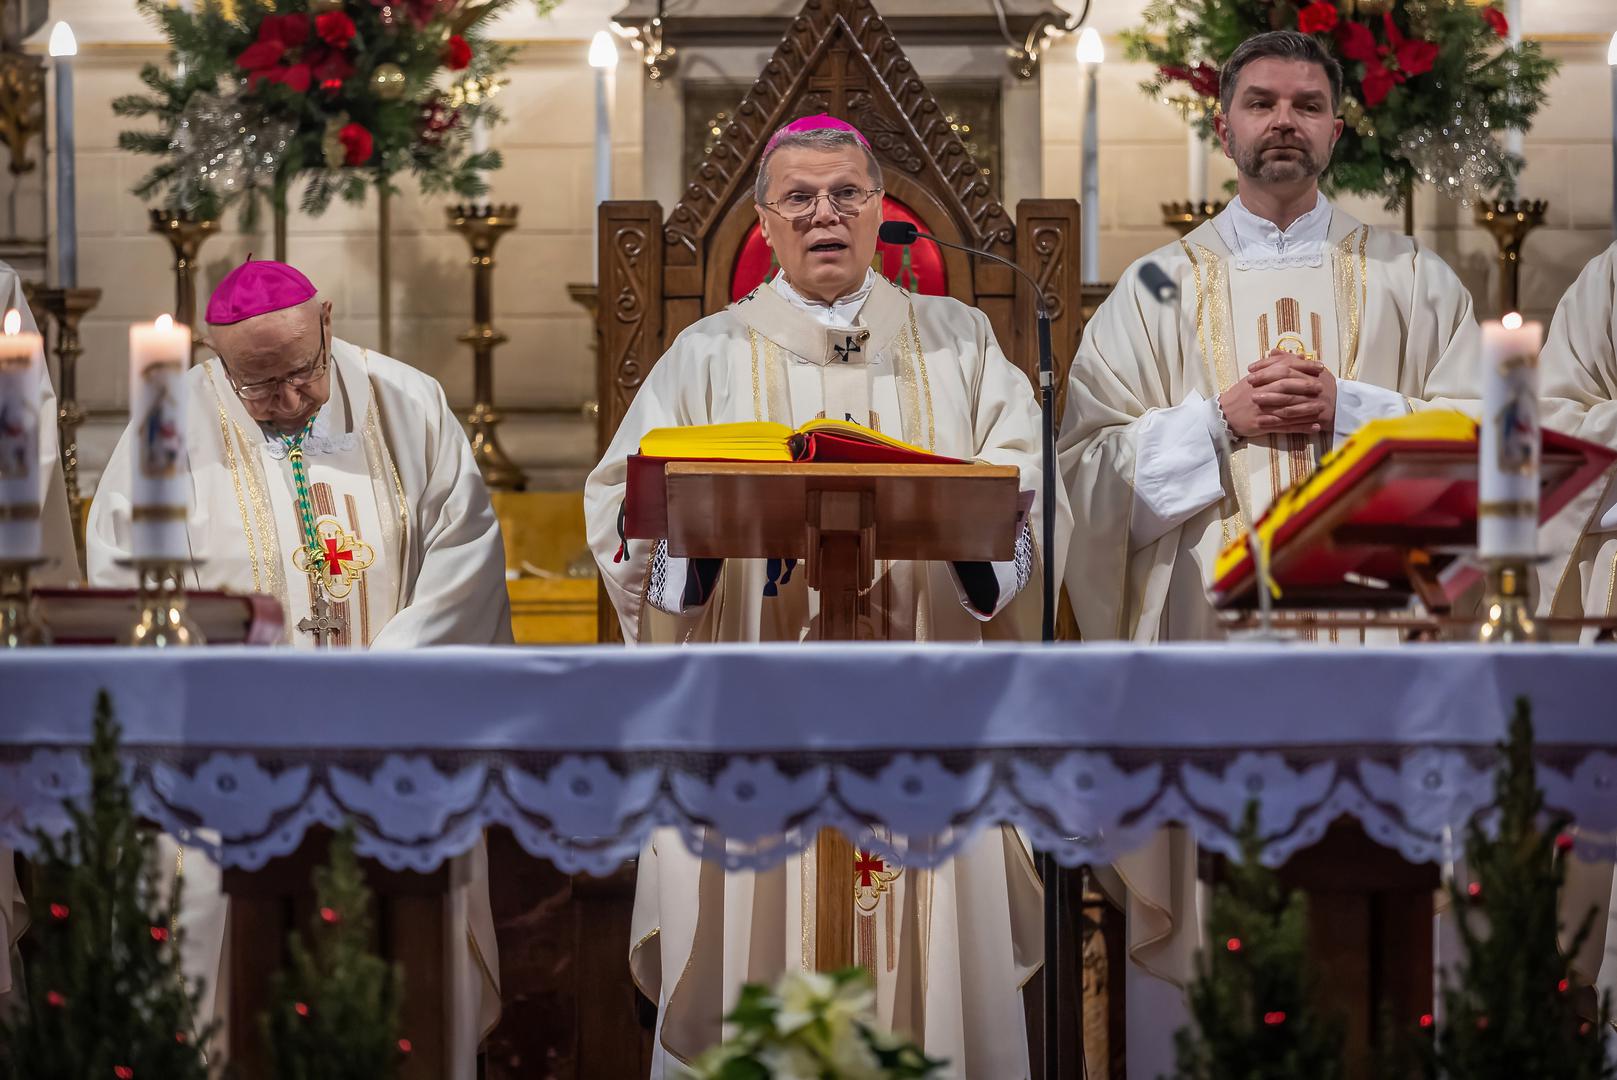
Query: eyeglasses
x=845, y=201
x=269, y=388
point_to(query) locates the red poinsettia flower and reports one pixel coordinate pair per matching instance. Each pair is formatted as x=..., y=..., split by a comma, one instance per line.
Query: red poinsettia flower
x=1203, y=78
x=423, y=12
x=1319, y=17
x=357, y=144
x=335, y=29
x=1496, y=19
x=457, y=54
x=331, y=70
x=280, y=38
x=1409, y=56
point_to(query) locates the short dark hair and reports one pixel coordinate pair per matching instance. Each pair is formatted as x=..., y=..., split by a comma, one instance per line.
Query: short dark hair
x=1281, y=45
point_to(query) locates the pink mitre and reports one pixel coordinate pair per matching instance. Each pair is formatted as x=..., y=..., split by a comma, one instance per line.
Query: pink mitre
x=818, y=122
x=257, y=288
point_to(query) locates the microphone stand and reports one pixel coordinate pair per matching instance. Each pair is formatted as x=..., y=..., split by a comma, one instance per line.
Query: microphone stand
x=1049, y=870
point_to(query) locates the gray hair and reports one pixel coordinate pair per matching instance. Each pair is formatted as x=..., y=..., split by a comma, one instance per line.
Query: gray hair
x=819, y=139
x=1280, y=45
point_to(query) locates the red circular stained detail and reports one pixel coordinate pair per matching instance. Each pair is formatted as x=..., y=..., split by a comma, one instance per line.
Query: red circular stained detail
x=925, y=275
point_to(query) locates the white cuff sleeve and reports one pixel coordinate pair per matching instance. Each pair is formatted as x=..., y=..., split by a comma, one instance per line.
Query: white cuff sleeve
x=1176, y=469
x=1010, y=577
x=666, y=584
x=1359, y=402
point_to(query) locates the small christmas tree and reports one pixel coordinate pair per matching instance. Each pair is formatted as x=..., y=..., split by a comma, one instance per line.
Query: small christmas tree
x=106, y=994
x=1251, y=1000
x=336, y=1012
x=1513, y=1013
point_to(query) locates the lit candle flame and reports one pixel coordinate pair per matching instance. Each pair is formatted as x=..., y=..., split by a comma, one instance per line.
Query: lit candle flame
x=13, y=322
x=165, y=323
x=1512, y=321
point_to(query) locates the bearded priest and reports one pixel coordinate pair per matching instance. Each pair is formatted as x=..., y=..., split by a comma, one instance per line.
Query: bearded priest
x=1184, y=420
x=338, y=481
x=827, y=336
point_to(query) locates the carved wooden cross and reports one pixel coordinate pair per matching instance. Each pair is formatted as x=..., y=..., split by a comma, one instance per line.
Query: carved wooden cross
x=324, y=623
x=837, y=78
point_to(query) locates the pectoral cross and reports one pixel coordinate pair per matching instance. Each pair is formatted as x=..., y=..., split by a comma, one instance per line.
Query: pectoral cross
x=322, y=621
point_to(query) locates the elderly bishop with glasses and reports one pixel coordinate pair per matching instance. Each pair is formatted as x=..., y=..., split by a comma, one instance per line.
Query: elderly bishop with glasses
x=949, y=948
x=338, y=481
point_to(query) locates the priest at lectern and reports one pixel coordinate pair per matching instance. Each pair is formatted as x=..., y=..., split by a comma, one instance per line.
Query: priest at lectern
x=829, y=337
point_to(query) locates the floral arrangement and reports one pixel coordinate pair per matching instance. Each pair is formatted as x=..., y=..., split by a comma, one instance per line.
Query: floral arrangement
x=812, y=1026
x=1428, y=83
x=342, y=94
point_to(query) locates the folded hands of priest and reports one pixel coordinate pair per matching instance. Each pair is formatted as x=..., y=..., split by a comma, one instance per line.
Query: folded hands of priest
x=1283, y=393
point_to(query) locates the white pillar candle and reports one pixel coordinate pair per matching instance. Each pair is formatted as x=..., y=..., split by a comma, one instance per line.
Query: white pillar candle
x=1091, y=53
x=21, y=367
x=1198, y=167
x=63, y=47
x=1611, y=61
x=158, y=356
x=1507, y=482
x=603, y=57
x=479, y=136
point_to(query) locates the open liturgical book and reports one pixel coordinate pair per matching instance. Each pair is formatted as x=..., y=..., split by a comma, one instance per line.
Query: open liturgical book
x=821, y=442
x=817, y=440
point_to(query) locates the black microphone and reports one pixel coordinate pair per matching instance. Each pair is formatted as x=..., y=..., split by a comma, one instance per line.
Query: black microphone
x=904, y=233
x=1163, y=287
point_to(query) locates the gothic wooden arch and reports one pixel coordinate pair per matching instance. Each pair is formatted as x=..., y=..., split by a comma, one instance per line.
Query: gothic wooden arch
x=658, y=276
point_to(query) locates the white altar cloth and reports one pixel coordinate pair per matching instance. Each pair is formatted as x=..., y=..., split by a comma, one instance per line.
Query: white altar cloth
x=749, y=749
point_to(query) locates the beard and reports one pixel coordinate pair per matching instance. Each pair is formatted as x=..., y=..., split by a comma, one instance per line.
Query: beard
x=1254, y=162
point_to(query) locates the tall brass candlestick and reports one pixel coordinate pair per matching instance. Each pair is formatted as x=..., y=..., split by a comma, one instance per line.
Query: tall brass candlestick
x=482, y=226
x=186, y=235
x=65, y=308
x=1509, y=222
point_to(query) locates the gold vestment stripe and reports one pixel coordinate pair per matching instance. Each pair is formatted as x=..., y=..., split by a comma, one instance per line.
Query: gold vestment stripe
x=157, y=513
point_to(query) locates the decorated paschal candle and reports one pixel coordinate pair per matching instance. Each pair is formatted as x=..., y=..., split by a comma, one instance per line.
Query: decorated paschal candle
x=158, y=355
x=1507, y=495
x=21, y=375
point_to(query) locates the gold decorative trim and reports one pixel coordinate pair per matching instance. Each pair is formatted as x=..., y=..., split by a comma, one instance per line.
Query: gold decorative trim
x=1213, y=337
x=1611, y=582
x=926, y=382
x=757, y=396
x=241, y=502
x=1509, y=508
x=157, y=513
x=1350, y=295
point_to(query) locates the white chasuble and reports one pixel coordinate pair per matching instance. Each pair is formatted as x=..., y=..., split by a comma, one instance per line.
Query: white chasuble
x=1578, y=390
x=61, y=567
x=1155, y=497
x=949, y=948
x=416, y=559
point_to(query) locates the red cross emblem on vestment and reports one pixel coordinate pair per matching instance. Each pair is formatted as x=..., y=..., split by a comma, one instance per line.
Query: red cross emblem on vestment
x=335, y=555
x=871, y=878
x=866, y=864
x=336, y=560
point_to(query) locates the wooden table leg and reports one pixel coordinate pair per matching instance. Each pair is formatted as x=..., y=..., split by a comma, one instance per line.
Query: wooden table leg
x=833, y=901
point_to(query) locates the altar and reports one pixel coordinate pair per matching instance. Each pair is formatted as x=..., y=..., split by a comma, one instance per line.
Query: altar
x=580, y=753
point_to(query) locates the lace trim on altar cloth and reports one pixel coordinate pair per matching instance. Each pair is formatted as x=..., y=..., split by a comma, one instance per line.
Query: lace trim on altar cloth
x=592, y=812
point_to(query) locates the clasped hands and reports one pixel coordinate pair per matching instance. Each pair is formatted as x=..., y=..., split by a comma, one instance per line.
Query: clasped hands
x=1281, y=394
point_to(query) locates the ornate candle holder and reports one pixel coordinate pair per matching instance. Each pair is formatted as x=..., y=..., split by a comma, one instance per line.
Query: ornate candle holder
x=482, y=226
x=64, y=308
x=20, y=624
x=1185, y=216
x=163, y=622
x=1508, y=618
x=186, y=235
x=1509, y=222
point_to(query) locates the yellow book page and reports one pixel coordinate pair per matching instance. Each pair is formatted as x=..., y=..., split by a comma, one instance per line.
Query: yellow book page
x=752, y=441
x=856, y=431
x=1426, y=426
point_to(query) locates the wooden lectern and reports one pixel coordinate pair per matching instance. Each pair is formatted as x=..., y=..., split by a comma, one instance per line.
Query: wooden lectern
x=839, y=520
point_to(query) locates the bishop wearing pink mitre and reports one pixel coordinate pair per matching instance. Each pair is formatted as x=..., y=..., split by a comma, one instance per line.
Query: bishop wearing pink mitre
x=398, y=548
